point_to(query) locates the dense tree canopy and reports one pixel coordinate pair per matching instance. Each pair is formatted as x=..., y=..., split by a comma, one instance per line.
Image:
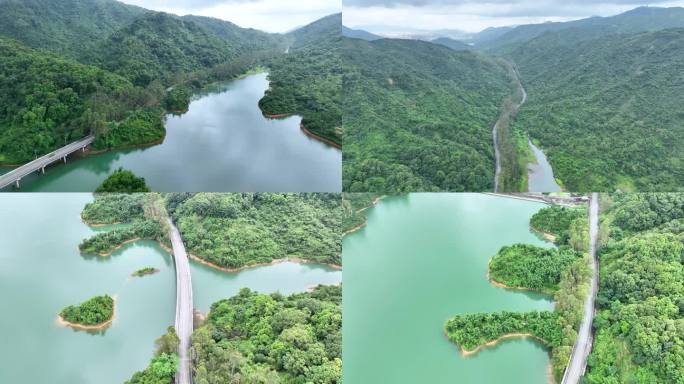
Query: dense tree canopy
x=256, y=338
x=529, y=266
x=606, y=110
x=238, y=229
x=473, y=330
x=557, y=221
x=114, y=208
x=308, y=80
x=96, y=310
x=164, y=365
x=123, y=181
x=419, y=116
x=640, y=321
x=48, y=101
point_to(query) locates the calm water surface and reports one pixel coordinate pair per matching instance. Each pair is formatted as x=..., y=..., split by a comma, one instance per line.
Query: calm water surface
x=223, y=143
x=41, y=271
x=421, y=259
x=540, y=173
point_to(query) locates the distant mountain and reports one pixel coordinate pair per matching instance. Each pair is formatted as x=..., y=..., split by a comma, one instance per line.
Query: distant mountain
x=64, y=26
x=232, y=33
x=607, y=110
x=359, y=34
x=453, y=44
x=327, y=28
x=637, y=20
x=490, y=34
x=406, y=32
x=418, y=116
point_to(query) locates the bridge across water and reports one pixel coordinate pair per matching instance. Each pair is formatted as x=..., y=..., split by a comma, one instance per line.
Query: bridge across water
x=39, y=164
x=184, y=305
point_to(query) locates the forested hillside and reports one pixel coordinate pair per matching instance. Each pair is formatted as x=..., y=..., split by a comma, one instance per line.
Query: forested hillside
x=158, y=44
x=308, y=81
x=66, y=27
x=607, y=111
x=47, y=101
x=51, y=100
x=418, y=116
x=241, y=229
x=256, y=338
x=639, y=328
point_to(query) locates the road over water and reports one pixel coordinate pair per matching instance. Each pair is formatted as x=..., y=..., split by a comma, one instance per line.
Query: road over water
x=184, y=304
x=15, y=175
x=578, y=360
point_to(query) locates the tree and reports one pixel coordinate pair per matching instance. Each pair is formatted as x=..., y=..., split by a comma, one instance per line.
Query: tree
x=123, y=181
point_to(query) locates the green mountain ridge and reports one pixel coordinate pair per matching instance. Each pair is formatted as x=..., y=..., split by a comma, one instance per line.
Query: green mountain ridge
x=66, y=27
x=418, y=116
x=607, y=110
x=307, y=80
x=640, y=19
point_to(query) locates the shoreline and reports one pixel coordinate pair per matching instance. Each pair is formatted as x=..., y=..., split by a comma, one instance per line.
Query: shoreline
x=239, y=269
x=107, y=254
x=352, y=230
x=319, y=138
x=470, y=352
x=280, y=116
x=499, y=284
x=358, y=227
x=94, y=327
x=546, y=235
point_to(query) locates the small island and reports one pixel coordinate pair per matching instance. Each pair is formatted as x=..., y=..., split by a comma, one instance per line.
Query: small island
x=95, y=313
x=144, y=271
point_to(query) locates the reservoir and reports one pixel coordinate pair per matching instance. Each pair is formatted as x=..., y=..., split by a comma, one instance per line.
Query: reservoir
x=539, y=173
x=42, y=271
x=421, y=259
x=223, y=143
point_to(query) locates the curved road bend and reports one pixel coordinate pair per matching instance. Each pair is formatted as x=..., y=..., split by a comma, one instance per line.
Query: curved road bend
x=184, y=304
x=495, y=130
x=578, y=361
x=15, y=175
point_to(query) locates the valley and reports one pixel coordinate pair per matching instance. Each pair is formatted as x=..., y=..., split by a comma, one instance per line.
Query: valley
x=600, y=103
x=118, y=76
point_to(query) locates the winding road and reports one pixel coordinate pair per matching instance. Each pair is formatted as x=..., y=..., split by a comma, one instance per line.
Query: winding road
x=578, y=360
x=184, y=305
x=506, y=114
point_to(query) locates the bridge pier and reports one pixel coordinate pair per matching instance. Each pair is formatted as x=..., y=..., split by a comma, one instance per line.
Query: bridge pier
x=83, y=149
x=64, y=158
x=42, y=169
x=17, y=182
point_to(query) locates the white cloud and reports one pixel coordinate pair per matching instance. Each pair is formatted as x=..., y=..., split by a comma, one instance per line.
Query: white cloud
x=266, y=15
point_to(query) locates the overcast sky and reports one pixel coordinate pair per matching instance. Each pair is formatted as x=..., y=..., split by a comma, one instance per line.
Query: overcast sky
x=476, y=15
x=266, y=15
